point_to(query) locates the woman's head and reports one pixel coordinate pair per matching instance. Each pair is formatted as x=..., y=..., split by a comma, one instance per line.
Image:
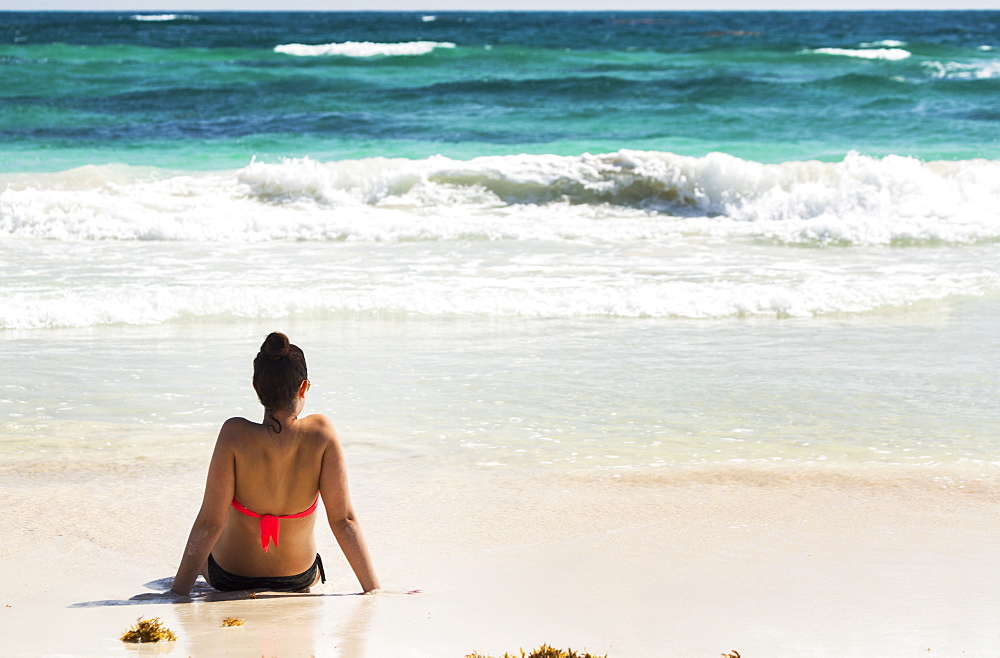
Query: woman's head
x=278, y=372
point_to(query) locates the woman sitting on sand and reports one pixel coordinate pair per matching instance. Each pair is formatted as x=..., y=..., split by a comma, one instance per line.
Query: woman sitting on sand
x=268, y=477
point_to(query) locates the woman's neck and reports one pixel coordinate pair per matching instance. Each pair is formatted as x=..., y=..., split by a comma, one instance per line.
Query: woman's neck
x=278, y=422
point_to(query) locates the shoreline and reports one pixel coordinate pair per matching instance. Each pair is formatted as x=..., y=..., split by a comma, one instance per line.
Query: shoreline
x=683, y=564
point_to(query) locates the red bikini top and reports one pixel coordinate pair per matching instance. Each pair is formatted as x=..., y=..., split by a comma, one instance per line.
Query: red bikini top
x=269, y=524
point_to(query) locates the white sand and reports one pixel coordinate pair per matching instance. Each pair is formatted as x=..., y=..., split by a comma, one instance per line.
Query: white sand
x=769, y=563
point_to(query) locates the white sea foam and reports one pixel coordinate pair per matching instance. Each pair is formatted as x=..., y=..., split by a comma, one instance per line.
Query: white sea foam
x=160, y=18
x=885, y=43
x=891, y=54
x=361, y=48
x=974, y=70
x=626, y=234
x=154, y=286
x=860, y=200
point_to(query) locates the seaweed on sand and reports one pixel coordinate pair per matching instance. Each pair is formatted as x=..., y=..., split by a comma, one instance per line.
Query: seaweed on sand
x=148, y=630
x=544, y=651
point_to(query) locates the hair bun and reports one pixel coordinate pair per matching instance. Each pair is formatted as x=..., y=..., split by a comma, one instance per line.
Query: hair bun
x=276, y=345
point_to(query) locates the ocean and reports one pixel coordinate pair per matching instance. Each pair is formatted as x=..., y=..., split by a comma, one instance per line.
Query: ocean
x=598, y=243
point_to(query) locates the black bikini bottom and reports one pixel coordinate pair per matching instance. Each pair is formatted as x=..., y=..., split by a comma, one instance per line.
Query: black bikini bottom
x=224, y=581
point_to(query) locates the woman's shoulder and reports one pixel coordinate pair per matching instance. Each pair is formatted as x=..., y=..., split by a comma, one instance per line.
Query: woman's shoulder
x=320, y=425
x=237, y=423
x=235, y=428
x=320, y=432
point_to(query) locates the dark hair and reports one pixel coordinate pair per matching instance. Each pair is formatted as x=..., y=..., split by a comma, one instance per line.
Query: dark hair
x=278, y=372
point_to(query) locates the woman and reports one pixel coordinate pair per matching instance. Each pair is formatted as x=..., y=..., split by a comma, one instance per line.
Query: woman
x=264, y=483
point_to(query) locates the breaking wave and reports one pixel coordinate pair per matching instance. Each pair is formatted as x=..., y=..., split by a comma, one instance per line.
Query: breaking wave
x=860, y=200
x=891, y=54
x=361, y=49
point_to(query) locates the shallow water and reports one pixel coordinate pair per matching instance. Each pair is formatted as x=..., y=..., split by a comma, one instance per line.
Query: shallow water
x=913, y=387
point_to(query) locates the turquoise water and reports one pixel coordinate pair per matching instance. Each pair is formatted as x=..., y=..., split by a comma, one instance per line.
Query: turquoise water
x=210, y=91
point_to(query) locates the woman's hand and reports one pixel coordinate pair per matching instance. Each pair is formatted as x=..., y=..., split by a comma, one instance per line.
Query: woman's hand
x=169, y=596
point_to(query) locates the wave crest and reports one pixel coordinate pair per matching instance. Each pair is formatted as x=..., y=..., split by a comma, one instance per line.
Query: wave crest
x=362, y=49
x=518, y=296
x=860, y=200
x=891, y=54
x=982, y=70
x=163, y=18
x=611, y=196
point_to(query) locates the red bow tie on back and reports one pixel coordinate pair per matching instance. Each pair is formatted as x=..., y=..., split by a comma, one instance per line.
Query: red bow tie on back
x=270, y=525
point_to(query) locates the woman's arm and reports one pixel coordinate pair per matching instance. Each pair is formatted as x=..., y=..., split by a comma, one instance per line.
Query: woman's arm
x=340, y=513
x=219, y=490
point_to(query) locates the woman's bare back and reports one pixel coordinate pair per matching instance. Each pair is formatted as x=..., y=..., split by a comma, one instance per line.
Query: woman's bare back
x=279, y=474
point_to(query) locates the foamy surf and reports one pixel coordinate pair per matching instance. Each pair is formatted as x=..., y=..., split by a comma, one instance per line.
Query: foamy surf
x=890, y=54
x=362, y=49
x=629, y=234
x=127, y=258
x=163, y=18
x=860, y=200
x=885, y=43
x=977, y=70
x=156, y=303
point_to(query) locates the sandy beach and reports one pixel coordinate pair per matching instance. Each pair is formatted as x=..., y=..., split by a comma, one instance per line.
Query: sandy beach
x=658, y=334
x=690, y=563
